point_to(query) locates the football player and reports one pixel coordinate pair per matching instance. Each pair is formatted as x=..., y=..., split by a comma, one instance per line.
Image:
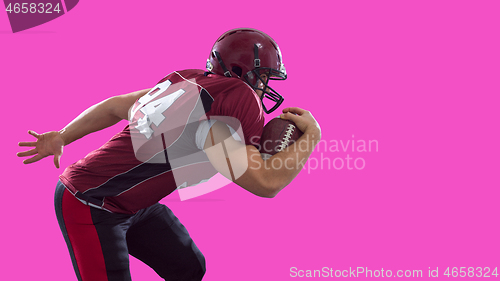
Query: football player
x=188, y=127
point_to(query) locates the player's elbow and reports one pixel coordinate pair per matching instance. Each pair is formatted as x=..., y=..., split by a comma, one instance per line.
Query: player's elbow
x=271, y=194
x=270, y=189
x=267, y=194
x=261, y=188
x=261, y=181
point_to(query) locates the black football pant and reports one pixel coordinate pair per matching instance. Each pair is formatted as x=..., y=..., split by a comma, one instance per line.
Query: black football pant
x=100, y=242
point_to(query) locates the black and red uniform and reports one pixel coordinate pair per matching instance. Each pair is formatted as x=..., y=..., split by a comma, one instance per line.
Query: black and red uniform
x=107, y=203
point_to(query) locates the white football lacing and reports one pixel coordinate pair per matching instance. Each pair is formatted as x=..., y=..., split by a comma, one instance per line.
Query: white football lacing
x=286, y=138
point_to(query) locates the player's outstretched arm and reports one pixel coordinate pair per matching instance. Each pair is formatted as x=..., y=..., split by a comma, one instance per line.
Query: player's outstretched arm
x=95, y=118
x=244, y=165
x=100, y=116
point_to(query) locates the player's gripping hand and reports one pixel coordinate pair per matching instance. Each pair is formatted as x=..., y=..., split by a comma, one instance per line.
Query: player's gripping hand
x=49, y=143
x=303, y=119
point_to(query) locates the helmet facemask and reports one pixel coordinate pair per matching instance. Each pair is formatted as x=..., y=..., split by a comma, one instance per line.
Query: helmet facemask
x=270, y=99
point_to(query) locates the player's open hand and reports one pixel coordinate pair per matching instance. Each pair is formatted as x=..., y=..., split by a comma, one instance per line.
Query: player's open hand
x=49, y=143
x=302, y=118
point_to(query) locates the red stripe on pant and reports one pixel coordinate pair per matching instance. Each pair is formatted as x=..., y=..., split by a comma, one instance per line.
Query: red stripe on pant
x=84, y=239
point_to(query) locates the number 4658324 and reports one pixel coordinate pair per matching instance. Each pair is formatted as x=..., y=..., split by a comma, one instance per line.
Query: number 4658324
x=32, y=8
x=470, y=272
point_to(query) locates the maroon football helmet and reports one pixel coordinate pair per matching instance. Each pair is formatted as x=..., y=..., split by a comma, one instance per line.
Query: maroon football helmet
x=246, y=54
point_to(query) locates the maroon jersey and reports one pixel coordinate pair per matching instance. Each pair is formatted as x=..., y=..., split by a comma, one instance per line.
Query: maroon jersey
x=157, y=152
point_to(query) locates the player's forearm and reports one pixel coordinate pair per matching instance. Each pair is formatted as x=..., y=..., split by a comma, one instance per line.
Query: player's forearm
x=95, y=118
x=279, y=170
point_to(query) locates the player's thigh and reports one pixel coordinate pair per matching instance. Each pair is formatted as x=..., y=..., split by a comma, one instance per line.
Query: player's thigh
x=111, y=229
x=97, y=247
x=163, y=243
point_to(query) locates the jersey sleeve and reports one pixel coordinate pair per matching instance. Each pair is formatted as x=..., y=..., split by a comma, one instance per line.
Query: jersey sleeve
x=242, y=111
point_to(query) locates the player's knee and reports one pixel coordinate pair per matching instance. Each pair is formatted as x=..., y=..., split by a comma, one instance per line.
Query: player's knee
x=203, y=266
x=197, y=260
x=190, y=267
x=198, y=266
x=193, y=273
x=198, y=275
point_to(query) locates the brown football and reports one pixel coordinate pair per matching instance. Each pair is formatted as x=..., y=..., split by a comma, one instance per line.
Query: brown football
x=277, y=135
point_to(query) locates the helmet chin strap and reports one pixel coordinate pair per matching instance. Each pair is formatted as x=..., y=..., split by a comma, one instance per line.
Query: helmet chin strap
x=224, y=68
x=272, y=94
x=256, y=61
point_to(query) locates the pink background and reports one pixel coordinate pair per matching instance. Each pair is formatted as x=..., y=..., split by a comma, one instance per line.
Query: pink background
x=420, y=77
